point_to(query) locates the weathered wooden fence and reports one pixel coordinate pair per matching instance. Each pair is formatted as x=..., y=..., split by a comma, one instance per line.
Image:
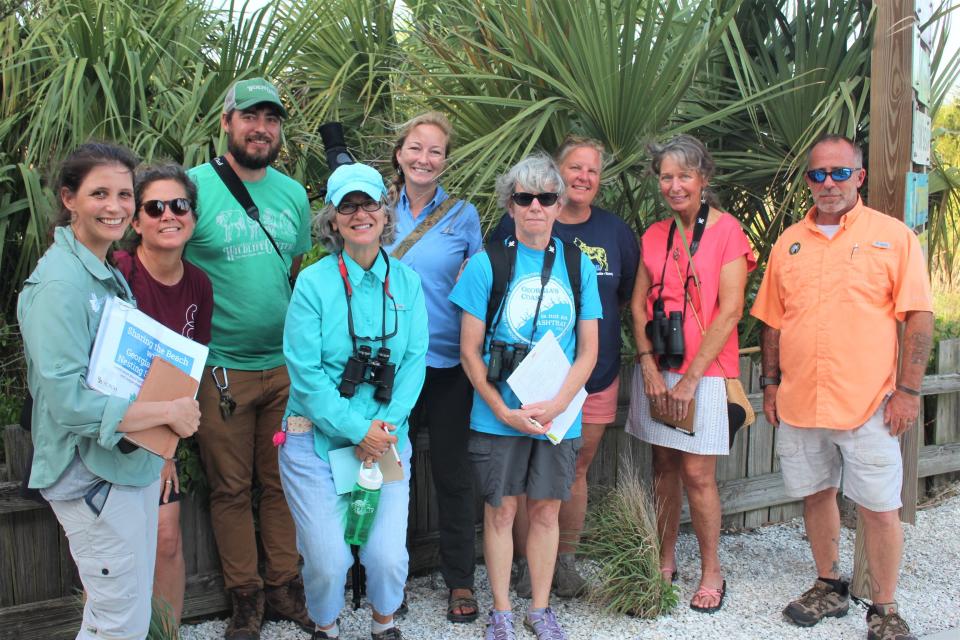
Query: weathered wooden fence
x=39, y=591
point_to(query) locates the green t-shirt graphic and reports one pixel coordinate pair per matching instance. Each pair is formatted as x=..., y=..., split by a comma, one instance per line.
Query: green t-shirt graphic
x=250, y=287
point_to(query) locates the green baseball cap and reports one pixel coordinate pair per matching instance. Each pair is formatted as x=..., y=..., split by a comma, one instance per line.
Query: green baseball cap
x=247, y=93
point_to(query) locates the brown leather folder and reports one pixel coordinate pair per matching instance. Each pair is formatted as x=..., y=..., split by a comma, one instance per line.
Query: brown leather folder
x=164, y=381
x=684, y=426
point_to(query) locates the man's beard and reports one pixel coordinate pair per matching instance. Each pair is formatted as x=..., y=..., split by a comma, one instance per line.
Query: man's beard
x=244, y=159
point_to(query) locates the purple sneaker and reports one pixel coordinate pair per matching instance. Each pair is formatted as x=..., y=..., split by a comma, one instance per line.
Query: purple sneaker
x=545, y=625
x=500, y=626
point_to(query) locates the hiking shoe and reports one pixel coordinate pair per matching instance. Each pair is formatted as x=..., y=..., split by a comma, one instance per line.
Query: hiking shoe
x=818, y=602
x=500, y=626
x=884, y=623
x=544, y=624
x=393, y=633
x=247, y=614
x=567, y=583
x=287, y=602
x=521, y=579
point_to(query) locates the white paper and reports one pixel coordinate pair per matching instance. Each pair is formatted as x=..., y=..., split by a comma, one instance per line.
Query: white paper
x=127, y=340
x=540, y=376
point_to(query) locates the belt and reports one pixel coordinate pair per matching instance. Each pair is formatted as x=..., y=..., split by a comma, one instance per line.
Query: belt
x=298, y=424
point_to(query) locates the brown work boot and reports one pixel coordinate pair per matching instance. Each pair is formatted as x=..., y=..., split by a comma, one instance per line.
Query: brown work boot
x=287, y=602
x=819, y=602
x=247, y=614
x=884, y=623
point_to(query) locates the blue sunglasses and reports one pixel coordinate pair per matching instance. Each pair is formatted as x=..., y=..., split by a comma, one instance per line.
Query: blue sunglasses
x=838, y=174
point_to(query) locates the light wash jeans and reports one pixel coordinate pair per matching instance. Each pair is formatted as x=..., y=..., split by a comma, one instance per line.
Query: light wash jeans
x=115, y=554
x=320, y=515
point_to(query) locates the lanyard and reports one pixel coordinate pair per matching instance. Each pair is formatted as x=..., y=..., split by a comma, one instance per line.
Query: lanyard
x=348, y=290
x=699, y=225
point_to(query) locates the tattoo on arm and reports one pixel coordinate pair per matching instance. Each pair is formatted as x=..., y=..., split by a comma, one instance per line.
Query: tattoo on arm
x=918, y=346
x=770, y=351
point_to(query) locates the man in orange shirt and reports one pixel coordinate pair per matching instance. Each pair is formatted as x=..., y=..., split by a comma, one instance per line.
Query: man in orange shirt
x=836, y=286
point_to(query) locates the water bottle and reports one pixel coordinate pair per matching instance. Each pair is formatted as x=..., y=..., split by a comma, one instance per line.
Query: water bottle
x=363, y=505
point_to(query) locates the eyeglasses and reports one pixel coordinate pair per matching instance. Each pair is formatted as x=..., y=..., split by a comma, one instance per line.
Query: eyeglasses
x=350, y=208
x=523, y=199
x=837, y=174
x=178, y=207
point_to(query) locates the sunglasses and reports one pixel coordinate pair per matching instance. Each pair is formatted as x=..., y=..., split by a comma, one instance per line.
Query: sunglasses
x=838, y=174
x=350, y=208
x=178, y=207
x=523, y=199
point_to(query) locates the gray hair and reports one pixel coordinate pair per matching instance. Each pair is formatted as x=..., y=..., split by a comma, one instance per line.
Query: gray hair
x=537, y=172
x=836, y=137
x=691, y=154
x=333, y=241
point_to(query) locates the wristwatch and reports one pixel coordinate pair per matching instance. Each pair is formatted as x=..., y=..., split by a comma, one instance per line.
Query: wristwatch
x=766, y=381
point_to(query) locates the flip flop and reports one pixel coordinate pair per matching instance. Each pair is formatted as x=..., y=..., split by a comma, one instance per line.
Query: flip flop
x=463, y=602
x=708, y=592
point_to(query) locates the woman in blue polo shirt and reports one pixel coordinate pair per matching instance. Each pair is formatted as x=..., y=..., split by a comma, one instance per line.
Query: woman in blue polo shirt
x=436, y=233
x=356, y=297
x=105, y=500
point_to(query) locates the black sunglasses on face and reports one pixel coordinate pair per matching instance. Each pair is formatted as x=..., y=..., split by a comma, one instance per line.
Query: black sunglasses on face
x=837, y=174
x=178, y=207
x=350, y=208
x=523, y=199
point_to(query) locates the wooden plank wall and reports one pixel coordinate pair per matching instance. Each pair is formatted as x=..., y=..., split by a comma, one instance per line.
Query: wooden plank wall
x=946, y=410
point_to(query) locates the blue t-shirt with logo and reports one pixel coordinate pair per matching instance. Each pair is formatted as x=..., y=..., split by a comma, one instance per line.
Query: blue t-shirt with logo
x=613, y=249
x=472, y=292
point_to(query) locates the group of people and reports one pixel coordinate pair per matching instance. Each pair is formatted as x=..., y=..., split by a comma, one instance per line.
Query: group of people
x=409, y=326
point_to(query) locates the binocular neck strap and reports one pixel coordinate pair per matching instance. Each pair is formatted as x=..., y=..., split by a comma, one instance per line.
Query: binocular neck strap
x=348, y=291
x=549, y=257
x=510, y=249
x=698, y=227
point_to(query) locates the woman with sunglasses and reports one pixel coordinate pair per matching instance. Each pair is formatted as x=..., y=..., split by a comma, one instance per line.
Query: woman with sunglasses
x=179, y=296
x=510, y=453
x=354, y=307
x=612, y=247
x=707, y=298
x=436, y=234
x=105, y=500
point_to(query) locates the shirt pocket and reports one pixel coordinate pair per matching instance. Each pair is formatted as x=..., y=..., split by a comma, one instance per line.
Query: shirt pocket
x=801, y=273
x=869, y=280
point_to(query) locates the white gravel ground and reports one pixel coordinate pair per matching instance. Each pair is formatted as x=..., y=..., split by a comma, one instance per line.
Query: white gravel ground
x=765, y=569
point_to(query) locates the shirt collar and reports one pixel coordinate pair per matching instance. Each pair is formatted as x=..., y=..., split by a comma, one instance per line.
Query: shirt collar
x=356, y=273
x=65, y=237
x=438, y=197
x=846, y=220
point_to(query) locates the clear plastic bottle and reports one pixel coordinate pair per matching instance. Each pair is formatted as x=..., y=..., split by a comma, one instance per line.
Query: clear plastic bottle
x=363, y=505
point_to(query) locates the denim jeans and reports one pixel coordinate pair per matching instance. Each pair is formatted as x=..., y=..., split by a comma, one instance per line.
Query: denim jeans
x=319, y=514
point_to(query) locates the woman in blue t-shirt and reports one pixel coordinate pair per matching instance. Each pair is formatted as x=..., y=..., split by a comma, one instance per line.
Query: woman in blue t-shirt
x=436, y=233
x=510, y=453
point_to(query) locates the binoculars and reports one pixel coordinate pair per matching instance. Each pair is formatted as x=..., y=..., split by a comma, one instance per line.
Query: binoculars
x=378, y=371
x=504, y=358
x=666, y=335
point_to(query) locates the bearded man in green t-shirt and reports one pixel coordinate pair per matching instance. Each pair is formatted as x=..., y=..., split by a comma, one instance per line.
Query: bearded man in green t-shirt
x=251, y=257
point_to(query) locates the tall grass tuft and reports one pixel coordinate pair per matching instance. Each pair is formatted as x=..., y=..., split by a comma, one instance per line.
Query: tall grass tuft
x=621, y=539
x=162, y=624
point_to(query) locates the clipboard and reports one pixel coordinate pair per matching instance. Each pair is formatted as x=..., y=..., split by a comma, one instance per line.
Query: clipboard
x=163, y=381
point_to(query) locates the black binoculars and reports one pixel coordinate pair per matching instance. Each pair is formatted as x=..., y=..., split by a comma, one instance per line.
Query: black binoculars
x=377, y=371
x=504, y=358
x=666, y=335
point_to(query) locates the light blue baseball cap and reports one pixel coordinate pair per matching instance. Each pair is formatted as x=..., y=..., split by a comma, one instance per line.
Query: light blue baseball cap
x=348, y=178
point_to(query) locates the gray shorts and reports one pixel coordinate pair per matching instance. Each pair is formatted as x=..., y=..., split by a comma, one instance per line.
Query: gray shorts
x=518, y=465
x=868, y=457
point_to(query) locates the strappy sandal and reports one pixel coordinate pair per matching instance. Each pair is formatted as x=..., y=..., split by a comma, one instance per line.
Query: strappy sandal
x=461, y=603
x=707, y=592
x=669, y=574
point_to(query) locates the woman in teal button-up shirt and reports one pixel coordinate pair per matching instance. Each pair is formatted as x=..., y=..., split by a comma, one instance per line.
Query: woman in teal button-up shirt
x=105, y=500
x=355, y=297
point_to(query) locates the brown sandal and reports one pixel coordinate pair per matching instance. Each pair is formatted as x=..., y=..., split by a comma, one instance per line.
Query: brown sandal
x=463, y=602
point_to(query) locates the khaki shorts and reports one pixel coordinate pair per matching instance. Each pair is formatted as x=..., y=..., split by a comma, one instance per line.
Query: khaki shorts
x=518, y=465
x=868, y=456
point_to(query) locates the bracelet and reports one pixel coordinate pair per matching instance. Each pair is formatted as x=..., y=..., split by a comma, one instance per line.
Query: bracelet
x=908, y=390
x=644, y=353
x=766, y=381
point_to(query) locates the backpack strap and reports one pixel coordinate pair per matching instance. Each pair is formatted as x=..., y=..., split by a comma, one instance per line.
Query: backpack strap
x=571, y=259
x=503, y=258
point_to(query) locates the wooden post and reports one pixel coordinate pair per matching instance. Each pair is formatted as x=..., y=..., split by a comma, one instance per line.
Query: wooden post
x=891, y=138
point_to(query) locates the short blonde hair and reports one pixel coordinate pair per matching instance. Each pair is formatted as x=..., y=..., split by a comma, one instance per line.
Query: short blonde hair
x=572, y=142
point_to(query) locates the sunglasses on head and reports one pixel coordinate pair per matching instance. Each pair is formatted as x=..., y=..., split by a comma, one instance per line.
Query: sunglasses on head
x=837, y=174
x=523, y=199
x=178, y=207
x=350, y=208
